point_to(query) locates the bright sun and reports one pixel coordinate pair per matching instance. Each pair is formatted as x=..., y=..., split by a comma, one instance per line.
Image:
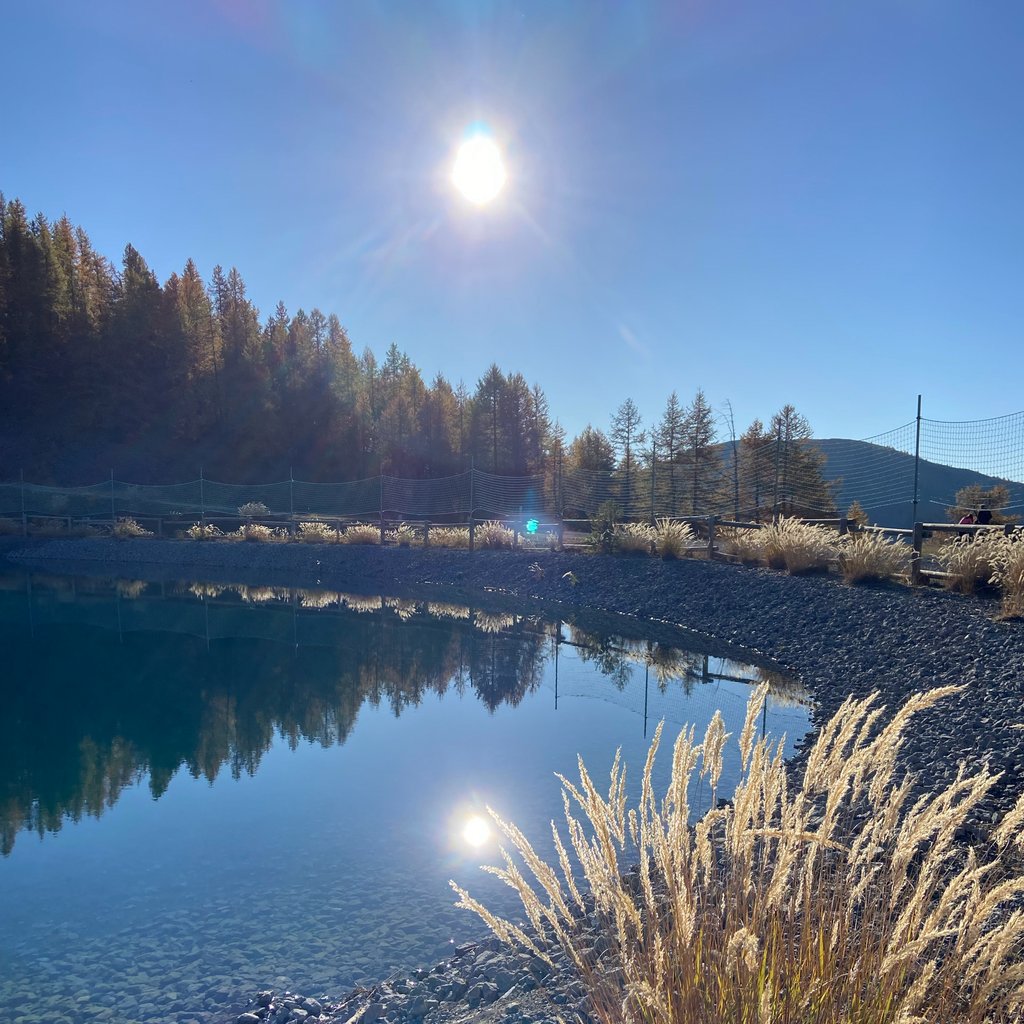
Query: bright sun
x=479, y=173
x=476, y=831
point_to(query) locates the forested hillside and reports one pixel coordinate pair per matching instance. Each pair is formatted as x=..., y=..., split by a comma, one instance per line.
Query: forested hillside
x=104, y=368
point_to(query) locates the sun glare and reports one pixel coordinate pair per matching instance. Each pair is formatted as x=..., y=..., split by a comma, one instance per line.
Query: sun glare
x=479, y=172
x=476, y=831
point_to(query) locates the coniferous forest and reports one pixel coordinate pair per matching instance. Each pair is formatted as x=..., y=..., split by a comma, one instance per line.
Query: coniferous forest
x=103, y=367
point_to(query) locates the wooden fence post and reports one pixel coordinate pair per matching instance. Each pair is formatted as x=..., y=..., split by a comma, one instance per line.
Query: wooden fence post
x=915, y=559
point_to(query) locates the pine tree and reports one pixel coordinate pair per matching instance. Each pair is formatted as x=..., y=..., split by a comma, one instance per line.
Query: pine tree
x=628, y=438
x=701, y=458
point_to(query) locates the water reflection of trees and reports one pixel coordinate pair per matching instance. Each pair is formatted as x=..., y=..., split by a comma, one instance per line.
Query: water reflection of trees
x=196, y=677
x=89, y=715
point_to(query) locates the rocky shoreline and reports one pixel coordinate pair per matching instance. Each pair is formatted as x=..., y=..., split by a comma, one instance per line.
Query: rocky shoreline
x=838, y=640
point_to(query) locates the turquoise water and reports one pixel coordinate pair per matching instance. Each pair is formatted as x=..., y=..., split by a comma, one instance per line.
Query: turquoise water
x=205, y=791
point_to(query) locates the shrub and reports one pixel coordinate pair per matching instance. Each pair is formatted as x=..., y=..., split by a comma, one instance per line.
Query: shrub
x=833, y=900
x=450, y=537
x=672, y=538
x=1008, y=572
x=127, y=528
x=361, y=533
x=746, y=545
x=969, y=560
x=403, y=535
x=253, y=509
x=870, y=556
x=493, y=534
x=634, y=538
x=798, y=547
x=203, y=531
x=259, y=532
x=9, y=527
x=319, y=533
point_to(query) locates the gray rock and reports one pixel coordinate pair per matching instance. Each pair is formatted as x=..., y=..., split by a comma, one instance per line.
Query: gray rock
x=247, y=1018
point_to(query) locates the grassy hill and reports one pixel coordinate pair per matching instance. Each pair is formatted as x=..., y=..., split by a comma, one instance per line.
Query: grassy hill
x=882, y=480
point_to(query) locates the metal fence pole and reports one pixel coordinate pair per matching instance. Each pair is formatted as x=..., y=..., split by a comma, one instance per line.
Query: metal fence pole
x=113, y=513
x=202, y=498
x=917, y=457
x=24, y=518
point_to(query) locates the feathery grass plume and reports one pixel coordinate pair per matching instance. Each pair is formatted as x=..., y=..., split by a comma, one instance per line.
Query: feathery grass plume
x=361, y=603
x=361, y=533
x=263, y=595
x=798, y=547
x=449, y=537
x=403, y=535
x=493, y=534
x=127, y=528
x=870, y=556
x=672, y=538
x=318, y=598
x=493, y=622
x=131, y=589
x=969, y=560
x=316, y=532
x=1008, y=572
x=746, y=545
x=203, y=531
x=251, y=509
x=634, y=538
x=204, y=590
x=444, y=610
x=833, y=901
x=403, y=608
x=259, y=533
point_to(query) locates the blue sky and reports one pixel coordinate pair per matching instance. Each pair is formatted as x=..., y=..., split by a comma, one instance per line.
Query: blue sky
x=777, y=202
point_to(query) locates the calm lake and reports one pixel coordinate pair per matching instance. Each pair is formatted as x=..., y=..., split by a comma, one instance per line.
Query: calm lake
x=208, y=790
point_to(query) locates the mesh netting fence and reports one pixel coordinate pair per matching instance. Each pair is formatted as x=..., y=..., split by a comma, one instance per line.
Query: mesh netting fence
x=744, y=480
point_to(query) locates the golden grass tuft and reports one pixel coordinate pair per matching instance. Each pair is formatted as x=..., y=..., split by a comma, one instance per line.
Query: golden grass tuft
x=798, y=547
x=449, y=537
x=672, y=538
x=361, y=533
x=870, y=556
x=259, y=533
x=403, y=535
x=315, y=532
x=969, y=560
x=203, y=531
x=634, y=538
x=832, y=899
x=493, y=534
x=253, y=509
x=745, y=545
x=1008, y=572
x=128, y=529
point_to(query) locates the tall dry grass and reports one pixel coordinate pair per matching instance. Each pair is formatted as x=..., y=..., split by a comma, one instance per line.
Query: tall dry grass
x=634, y=538
x=128, y=529
x=493, y=534
x=837, y=899
x=449, y=537
x=1008, y=572
x=317, y=532
x=361, y=533
x=969, y=560
x=746, y=545
x=870, y=556
x=798, y=547
x=672, y=538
